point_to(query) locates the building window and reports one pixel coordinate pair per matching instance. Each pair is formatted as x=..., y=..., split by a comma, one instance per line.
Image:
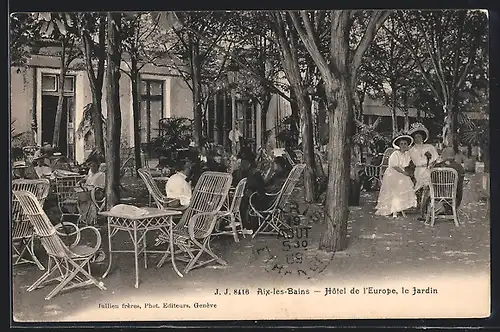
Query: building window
x=151, y=108
x=49, y=83
x=50, y=97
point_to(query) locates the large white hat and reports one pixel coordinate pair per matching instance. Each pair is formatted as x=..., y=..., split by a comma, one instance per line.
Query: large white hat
x=395, y=141
x=419, y=128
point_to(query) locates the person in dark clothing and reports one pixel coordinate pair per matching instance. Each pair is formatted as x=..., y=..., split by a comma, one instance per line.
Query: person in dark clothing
x=255, y=183
x=214, y=163
x=281, y=169
x=271, y=185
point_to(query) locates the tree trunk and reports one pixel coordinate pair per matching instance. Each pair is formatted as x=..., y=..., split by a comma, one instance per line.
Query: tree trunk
x=134, y=77
x=113, y=112
x=336, y=205
x=451, y=122
x=99, y=125
x=393, y=113
x=97, y=121
x=263, y=120
x=60, y=97
x=197, y=100
x=96, y=81
x=304, y=104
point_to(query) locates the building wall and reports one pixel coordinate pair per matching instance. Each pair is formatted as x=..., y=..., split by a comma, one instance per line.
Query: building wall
x=21, y=98
x=279, y=108
x=181, y=100
x=26, y=96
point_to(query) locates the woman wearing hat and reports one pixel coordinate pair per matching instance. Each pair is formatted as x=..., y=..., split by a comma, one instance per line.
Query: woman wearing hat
x=396, y=193
x=423, y=156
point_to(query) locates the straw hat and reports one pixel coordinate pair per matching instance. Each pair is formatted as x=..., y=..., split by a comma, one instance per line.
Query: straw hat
x=419, y=128
x=397, y=139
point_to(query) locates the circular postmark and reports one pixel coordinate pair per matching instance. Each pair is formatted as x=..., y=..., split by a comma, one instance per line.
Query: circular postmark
x=293, y=252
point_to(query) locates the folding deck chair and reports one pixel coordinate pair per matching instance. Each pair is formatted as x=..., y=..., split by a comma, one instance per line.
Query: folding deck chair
x=22, y=230
x=271, y=219
x=71, y=263
x=192, y=234
x=155, y=192
x=233, y=214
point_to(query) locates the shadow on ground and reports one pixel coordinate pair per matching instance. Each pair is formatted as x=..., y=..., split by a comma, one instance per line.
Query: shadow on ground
x=379, y=248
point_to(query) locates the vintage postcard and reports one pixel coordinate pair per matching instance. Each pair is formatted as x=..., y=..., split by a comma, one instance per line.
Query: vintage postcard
x=250, y=165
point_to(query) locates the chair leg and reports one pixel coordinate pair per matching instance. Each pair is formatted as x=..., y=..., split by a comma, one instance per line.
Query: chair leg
x=455, y=215
x=50, y=269
x=77, y=268
x=433, y=212
x=32, y=252
x=233, y=226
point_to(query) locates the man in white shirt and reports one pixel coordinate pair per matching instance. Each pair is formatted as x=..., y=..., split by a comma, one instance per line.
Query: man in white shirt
x=177, y=187
x=423, y=156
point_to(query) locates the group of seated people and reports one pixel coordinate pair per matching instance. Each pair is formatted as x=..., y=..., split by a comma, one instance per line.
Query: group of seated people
x=407, y=179
x=179, y=186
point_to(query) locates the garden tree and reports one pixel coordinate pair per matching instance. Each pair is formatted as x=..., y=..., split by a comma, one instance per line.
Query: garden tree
x=288, y=41
x=170, y=22
x=60, y=27
x=92, y=32
x=114, y=119
x=452, y=40
x=23, y=34
x=391, y=65
x=260, y=54
x=198, y=38
x=140, y=33
x=338, y=69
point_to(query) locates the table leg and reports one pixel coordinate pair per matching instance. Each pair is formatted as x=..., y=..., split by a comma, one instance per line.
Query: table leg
x=109, y=250
x=136, y=256
x=144, y=248
x=172, y=255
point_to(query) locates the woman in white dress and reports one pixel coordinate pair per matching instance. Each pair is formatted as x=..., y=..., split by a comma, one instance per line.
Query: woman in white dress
x=397, y=193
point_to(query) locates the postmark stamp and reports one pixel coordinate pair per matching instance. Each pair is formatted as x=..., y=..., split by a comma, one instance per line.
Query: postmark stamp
x=293, y=252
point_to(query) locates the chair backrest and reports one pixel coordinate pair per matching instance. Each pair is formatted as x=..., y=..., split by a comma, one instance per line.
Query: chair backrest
x=153, y=189
x=209, y=195
x=385, y=157
x=65, y=185
x=289, y=185
x=39, y=187
x=238, y=195
x=41, y=224
x=444, y=182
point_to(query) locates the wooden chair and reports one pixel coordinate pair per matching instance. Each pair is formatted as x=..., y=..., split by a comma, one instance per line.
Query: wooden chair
x=233, y=215
x=376, y=172
x=192, y=234
x=65, y=195
x=72, y=264
x=155, y=192
x=97, y=204
x=270, y=219
x=22, y=230
x=443, y=190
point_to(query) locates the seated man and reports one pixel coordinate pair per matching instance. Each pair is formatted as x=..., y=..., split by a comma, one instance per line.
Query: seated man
x=449, y=161
x=177, y=187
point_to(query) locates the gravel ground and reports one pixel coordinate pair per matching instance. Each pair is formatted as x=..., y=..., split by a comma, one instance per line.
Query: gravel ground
x=378, y=249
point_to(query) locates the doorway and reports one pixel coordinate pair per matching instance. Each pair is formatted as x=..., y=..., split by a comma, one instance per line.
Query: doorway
x=49, y=109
